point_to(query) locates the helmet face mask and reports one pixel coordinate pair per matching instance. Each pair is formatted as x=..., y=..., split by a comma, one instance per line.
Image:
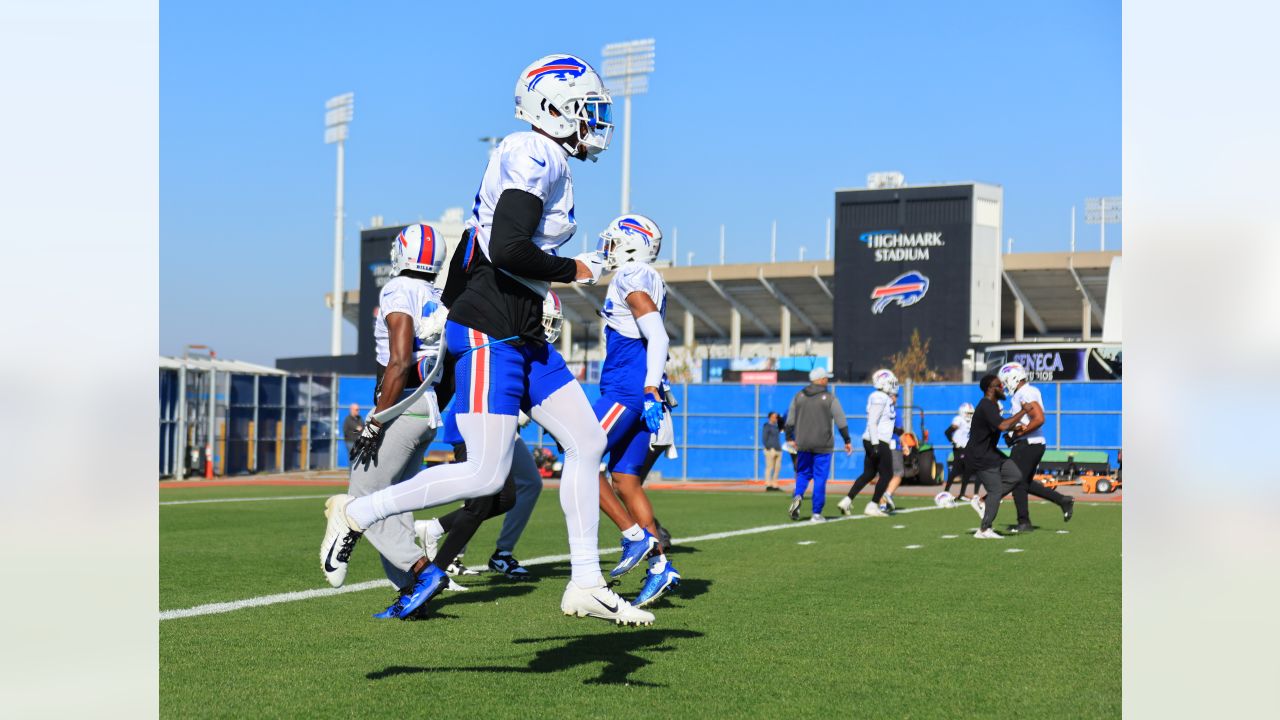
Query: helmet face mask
x=966, y=410
x=552, y=317
x=562, y=96
x=630, y=238
x=419, y=248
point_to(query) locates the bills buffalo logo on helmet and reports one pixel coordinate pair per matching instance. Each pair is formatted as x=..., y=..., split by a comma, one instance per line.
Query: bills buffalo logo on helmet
x=563, y=68
x=907, y=289
x=633, y=227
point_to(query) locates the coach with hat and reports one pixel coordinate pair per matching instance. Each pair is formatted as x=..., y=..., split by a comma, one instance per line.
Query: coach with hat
x=812, y=413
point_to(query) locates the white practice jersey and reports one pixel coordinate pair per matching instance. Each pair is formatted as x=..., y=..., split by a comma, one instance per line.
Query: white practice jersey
x=960, y=437
x=1028, y=393
x=632, y=277
x=537, y=165
x=882, y=416
x=413, y=297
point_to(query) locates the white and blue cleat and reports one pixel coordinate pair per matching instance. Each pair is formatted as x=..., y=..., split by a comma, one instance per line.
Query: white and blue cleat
x=633, y=551
x=430, y=583
x=657, y=584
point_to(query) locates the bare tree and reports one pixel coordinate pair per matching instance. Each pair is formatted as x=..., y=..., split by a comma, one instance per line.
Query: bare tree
x=913, y=362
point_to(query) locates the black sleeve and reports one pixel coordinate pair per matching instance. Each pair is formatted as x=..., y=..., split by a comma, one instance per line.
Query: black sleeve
x=844, y=433
x=949, y=432
x=515, y=220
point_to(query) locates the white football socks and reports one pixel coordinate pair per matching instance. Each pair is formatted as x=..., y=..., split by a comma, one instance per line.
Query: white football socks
x=633, y=533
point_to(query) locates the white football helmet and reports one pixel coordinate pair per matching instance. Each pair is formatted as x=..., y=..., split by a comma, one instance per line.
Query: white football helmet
x=552, y=316
x=630, y=238
x=944, y=500
x=1011, y=376
x=417, y=247
x=965, y=410
x=570, y=85
x=885, y=381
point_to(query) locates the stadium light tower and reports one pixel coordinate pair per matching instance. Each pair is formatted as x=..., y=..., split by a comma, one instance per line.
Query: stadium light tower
x=628, y=65
x=1100, y=211
x=338, y=113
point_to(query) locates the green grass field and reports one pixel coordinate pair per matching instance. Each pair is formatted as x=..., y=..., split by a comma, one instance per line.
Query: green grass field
x=851, y=623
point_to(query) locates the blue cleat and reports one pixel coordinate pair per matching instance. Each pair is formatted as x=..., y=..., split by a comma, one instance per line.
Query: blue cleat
x=633, y=551
x=657, y=584
x=396, y=607
x=430, y=583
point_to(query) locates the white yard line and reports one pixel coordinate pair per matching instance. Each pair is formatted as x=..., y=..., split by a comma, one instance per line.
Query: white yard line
x=244, y=499
x=226, y=607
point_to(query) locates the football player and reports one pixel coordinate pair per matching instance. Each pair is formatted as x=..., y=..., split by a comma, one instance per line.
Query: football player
x=515, y=501
x=631, y=408
x=523, y=213
x=1027, y=446
x=958, y=434
x=877, y=443
x=997, y=473
x=406, y=339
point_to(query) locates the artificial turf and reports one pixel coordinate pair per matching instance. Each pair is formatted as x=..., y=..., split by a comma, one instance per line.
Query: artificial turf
x=839, y=619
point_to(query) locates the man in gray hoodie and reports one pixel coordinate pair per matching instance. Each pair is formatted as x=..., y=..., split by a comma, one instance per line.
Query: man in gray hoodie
x=812, y=413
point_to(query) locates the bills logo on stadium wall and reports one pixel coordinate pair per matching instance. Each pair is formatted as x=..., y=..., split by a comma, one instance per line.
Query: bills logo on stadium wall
x=907, y=289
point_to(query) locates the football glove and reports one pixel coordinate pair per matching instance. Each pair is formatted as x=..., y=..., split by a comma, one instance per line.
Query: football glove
x=594, y=263
x=365, y=448
x=653, y=412
x=428, y=329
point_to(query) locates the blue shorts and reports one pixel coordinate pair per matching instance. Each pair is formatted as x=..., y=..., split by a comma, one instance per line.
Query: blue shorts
x=499, y=378
x=628, y=443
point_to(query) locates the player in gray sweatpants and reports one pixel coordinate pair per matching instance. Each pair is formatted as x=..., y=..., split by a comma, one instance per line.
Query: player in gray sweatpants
x=404, y=445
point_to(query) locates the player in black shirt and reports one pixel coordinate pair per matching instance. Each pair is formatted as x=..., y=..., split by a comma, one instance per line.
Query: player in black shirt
x=995, y=471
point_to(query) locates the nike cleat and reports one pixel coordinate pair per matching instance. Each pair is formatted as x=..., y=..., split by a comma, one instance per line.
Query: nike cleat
x=846, y=506
x=794, y=510
x=602, y=602
x=988, y=534
x=657, y=584
x=888, y=505
x=340, y=537
x=508, y=565
x=873, y=510
x=978, y=506
x=430, y=583
x=633, y=551
x=1068, y=509
x=429, y=541
x=816, y=518
x=395, y=608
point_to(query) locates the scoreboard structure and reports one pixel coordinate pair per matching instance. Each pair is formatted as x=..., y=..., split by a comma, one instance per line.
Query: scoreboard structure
x=923, y=258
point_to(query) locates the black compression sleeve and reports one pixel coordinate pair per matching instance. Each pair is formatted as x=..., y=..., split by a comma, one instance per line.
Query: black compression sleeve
x=515, y=220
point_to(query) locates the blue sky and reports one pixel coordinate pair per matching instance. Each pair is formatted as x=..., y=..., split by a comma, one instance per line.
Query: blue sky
x=753, y=115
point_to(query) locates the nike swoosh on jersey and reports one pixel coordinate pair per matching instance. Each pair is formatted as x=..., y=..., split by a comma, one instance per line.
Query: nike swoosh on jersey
x=543, y=163
x=610, y=608
x=328, y=567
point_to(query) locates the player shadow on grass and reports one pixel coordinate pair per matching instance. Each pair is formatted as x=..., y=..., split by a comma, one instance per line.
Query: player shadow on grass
x=617, y=650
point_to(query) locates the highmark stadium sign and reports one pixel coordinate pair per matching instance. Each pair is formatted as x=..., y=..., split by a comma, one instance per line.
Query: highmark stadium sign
x=894, y=246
